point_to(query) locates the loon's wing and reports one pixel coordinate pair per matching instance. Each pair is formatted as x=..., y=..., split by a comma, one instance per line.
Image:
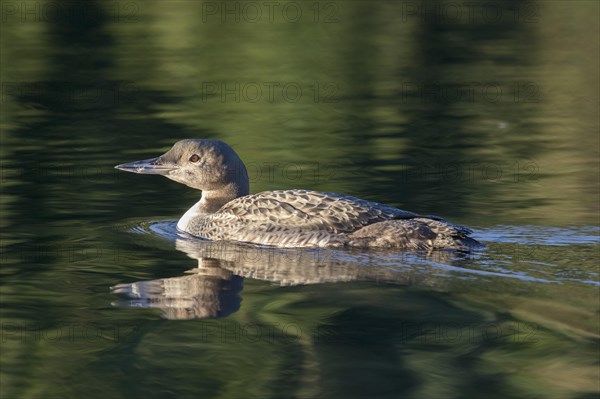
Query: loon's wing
x=308, y=210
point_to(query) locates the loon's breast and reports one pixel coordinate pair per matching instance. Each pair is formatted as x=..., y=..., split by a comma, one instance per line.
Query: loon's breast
x=303, y=218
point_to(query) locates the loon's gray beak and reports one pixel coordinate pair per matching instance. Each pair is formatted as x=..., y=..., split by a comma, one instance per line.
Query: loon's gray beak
x=154, y=166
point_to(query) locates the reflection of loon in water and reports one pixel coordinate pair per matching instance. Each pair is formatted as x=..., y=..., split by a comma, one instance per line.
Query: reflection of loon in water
x=213, y=288
x=207, y=291
x=288, y=218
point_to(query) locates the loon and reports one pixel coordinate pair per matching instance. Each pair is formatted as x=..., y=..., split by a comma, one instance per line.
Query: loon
x=288, y=218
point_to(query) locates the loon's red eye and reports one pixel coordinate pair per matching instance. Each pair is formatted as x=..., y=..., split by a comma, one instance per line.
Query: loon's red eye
x=194, y=158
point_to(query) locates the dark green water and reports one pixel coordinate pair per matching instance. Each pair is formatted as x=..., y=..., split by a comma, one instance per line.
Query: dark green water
x=486, y=114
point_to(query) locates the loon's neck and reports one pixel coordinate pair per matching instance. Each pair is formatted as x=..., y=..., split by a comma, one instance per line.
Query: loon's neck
x=211, y=201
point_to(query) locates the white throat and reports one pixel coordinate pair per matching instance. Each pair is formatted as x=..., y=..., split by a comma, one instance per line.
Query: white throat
x=187, y=217
x=210, y=202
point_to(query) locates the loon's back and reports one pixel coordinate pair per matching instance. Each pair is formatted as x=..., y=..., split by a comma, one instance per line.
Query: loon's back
x=304, y=218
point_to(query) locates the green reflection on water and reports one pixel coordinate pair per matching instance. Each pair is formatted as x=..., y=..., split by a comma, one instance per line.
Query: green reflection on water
x=483, y=122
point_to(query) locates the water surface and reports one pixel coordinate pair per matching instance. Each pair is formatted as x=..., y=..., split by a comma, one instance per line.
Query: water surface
x=488, y=121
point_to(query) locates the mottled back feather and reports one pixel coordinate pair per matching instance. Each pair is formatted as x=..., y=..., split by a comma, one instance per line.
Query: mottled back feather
x=299, y=218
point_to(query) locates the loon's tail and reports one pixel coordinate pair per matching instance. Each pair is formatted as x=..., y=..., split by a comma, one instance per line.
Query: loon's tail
x=420, y=233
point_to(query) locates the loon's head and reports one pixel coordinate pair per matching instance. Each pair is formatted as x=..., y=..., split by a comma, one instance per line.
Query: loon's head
x=203, y=164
